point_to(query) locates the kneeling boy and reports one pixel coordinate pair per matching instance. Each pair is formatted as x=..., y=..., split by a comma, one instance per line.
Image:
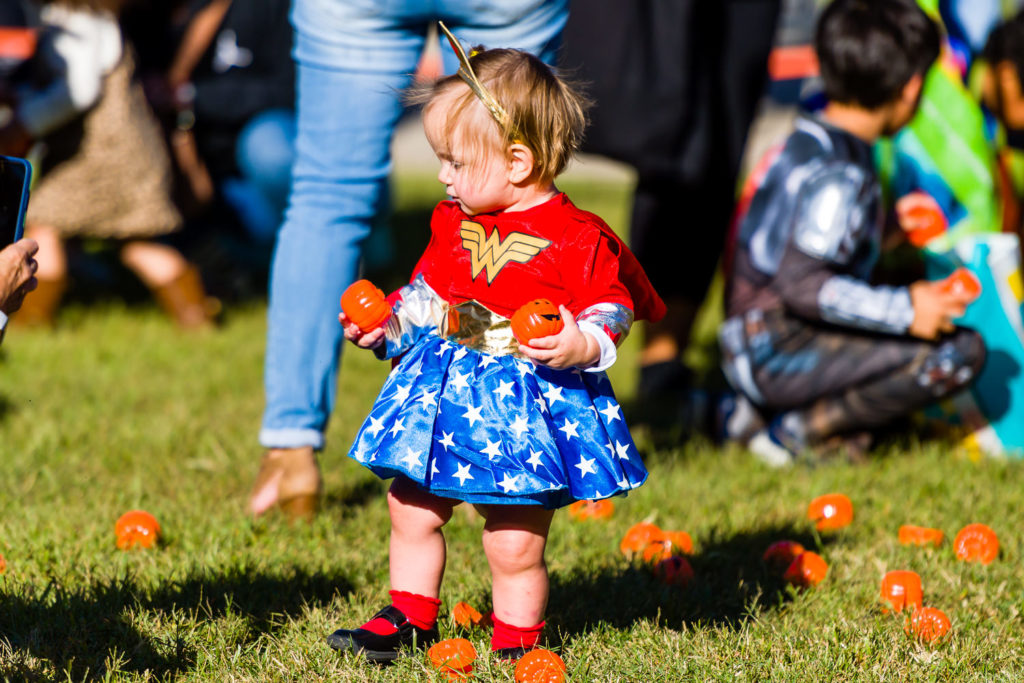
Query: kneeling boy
x=808, y=338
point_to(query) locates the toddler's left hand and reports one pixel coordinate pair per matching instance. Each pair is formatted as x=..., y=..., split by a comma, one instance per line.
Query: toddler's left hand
x=569, y=348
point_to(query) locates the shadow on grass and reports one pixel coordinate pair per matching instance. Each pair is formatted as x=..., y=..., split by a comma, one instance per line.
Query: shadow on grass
x=731, y=586
x=81, y=632
x=356, y=495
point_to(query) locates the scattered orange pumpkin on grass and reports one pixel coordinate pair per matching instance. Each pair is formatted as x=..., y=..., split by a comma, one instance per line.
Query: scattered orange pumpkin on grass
x=680, y=540
x=540, y=666
x=976, y=543
x=671, y=543
x=928, y=624
x=136, y=528
x=807, y=569
x=535, y=319
x=465, y=616
x=674, y=571
x=920, y=535
x=454, y=656
x=638, y=537
x=657, y=551
x=830, y=511
x=781, y=554
x=3, y=565
x=365, y=305
x=591, y=509
x=901, y=589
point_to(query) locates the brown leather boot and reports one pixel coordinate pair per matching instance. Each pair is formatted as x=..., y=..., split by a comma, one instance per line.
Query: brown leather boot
x=185, y=300
x=39, y=309
x=289, y=478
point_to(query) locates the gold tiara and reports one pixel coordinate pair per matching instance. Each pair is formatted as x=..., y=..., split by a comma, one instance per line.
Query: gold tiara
x=469, y=76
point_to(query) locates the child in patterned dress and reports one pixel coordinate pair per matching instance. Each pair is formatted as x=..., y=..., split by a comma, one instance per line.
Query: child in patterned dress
x=469, y=413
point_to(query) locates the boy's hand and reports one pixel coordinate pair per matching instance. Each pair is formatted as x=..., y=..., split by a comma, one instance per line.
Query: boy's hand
x=364, y=340
x=569, y=348
x=935, y=308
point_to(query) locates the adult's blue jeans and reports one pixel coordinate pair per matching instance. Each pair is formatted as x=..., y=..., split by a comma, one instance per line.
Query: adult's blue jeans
x=354, y=59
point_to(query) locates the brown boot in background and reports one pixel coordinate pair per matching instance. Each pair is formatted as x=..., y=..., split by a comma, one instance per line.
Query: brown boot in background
x=289, y=478
x=39, y=309
x=185, y=300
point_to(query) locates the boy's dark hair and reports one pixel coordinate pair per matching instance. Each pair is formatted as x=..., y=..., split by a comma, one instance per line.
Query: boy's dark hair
x=870, y=49
x=1006, y=44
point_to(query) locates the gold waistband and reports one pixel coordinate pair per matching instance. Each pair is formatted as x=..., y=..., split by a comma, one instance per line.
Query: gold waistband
x=477, y=327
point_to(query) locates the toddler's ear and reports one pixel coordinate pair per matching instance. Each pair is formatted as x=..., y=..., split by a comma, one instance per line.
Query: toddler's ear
x=520, y=163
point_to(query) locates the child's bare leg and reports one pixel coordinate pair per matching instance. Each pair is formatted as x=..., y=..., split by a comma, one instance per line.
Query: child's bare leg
x=417, y=543
x=417, y=565
x=514, y=539
x=156, y=264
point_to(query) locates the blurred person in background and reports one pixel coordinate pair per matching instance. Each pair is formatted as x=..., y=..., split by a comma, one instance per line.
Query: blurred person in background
x=676, y=85
x=354, y=60
x=232, y=85
x=104, y=170
x=825, y=353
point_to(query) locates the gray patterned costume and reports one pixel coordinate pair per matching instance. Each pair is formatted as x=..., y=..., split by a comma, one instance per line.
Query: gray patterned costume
x=806, y=331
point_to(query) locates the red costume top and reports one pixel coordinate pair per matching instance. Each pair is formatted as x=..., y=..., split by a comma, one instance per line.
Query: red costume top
x=552, y=251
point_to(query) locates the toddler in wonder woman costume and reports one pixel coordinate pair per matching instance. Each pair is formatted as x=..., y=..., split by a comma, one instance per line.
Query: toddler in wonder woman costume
x=469, y=413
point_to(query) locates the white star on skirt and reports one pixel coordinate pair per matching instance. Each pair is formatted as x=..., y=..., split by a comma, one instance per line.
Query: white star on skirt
x=375, y=426
x=570, y=429
x=473, y=414
x=586, y=466
x=412, y=458
x=493, y=450
x=509, y=483
x=519, y=425
x=462, y=474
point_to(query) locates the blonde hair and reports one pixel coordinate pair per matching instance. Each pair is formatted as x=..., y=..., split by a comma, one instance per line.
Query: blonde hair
x=545, y=113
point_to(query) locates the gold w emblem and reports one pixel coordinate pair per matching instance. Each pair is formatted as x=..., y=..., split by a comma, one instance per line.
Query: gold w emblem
x=491, y=253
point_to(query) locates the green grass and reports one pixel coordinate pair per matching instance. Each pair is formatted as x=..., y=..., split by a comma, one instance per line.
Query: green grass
x=117, y=410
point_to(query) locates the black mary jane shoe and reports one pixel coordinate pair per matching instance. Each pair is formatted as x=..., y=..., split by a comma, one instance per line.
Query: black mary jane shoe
x=383, y=649
x=510, y=654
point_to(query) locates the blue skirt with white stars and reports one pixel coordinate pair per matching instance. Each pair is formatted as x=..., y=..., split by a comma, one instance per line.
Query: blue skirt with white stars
x=481, y=428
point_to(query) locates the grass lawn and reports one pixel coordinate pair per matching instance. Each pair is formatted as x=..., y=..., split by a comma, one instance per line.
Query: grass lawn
x=117, y=410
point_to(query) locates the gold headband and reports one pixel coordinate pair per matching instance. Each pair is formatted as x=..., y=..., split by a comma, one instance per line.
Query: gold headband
x=469, y=76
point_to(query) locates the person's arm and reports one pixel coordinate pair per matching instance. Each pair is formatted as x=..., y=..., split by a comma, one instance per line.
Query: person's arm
x=833, y=225
x=17, y=277
x=592, y=274
x=198, y=36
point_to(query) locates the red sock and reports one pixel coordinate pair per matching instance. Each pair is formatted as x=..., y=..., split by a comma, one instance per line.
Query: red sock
x=507, y=635
x=420, y=610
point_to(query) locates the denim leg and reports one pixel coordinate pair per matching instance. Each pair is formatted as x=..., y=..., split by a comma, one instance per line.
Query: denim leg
x=345, y=120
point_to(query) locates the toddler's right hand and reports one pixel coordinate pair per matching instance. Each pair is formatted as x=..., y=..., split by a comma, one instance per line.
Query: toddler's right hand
x=365, y=340
x=935, y=306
